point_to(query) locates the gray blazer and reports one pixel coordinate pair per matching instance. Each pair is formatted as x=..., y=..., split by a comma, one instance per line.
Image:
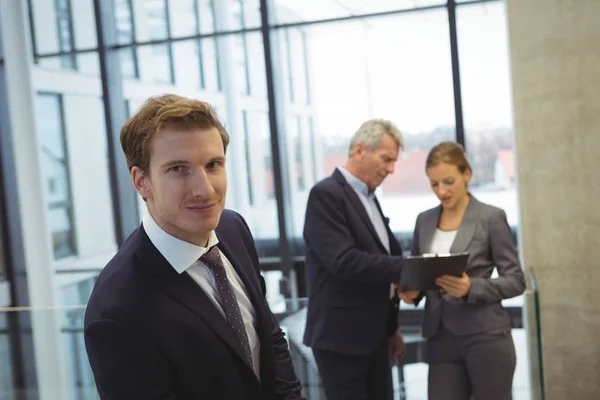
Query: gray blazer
x=485, y=234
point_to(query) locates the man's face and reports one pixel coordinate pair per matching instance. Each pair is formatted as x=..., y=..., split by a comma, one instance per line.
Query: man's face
x=186, y=184
x=377, y=164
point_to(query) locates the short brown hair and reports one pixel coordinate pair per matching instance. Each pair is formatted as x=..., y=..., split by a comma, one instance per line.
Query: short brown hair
x=449, y=153
x=158, y=113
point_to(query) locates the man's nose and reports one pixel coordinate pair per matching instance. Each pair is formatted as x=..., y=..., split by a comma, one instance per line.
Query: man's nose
x=391, y=167
x=202, y=185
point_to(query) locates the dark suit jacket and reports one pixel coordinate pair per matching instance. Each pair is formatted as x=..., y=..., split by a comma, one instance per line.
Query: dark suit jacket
x=349, y=272
x=485, y=234
x=151, y=333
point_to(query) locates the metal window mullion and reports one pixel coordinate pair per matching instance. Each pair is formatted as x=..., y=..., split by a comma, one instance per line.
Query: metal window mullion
x=170, y=42
x=282, y=192
x=199, y=44
x=71, y=31
x=458, y=112
x=70, y=204
x=124, y=197
x=32, y=31
x=136, y=67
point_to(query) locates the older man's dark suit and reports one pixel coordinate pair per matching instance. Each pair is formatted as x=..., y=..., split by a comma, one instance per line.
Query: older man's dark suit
x=349, y=274
x=151, y=333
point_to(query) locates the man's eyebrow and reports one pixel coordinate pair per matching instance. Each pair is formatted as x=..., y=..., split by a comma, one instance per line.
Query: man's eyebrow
x=173, y=162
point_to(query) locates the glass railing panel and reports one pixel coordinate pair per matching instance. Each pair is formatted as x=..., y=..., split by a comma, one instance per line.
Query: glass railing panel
x=48, y=343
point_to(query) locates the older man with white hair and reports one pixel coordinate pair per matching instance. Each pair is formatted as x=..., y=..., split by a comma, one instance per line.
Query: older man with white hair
x=352, y=258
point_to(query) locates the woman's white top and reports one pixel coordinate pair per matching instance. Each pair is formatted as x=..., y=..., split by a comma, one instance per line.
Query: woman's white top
x=442, y=241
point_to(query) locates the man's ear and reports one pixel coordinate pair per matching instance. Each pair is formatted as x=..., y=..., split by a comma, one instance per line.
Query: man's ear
x=359, y=149
x=141, y=182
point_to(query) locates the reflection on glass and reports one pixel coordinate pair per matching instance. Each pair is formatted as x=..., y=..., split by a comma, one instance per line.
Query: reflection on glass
x=188, y=69
x=126, y=35
x=184, y=17
x=160, y=64
x=249, y=65
x=211, y=78
x=124, y=21
x=260, y=184
x=245, y=14
x=241, y=63
x=64, y=25
x=396, y=67
x=483, y=55
x=206, y=16
x=255, y=65
x=289, y=11
x=296, y=65
x=55, y=168
x=156, y=19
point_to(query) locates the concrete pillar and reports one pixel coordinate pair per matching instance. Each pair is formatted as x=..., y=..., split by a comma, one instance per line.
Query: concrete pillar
x=555, y=62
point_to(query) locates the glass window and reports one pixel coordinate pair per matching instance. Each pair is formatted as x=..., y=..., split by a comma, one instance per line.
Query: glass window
x=241, y=64
x=395, y=67
x=129, y=65
x=245, y=14
x=298, y=154
x=250, y=70
x=196, y=64
x=156, y=60
x=126, y=35
x=183, y=15
x=289, y=11
x=487, y=105
x=75, y=170
x=261, y=214
x=64, y=25
x=206, y=16
x=211, y=77
x=296, y=65
x=187, y=66
x=124, y=21
x=55, y=166
x=256, y=65
x=156, y=19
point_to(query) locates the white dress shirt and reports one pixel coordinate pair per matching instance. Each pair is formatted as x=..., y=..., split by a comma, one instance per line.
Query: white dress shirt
x=184, y=257
x=367, y=198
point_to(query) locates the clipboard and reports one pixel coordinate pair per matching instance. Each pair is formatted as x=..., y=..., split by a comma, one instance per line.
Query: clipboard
x=420, y=272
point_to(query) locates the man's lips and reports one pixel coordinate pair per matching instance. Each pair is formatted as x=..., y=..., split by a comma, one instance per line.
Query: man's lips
x=201, y=207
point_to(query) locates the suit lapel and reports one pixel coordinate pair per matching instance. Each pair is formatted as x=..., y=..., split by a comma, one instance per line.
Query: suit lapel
x=183, y=289
x=467, y=227
x=427, y=229
x=391, y=238
x=358, y=206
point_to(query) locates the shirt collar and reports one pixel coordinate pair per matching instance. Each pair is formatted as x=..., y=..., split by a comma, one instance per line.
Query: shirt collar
x=355, y=183
x=180, y=254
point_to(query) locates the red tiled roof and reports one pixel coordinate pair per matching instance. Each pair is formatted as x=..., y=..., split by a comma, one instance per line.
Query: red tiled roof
x=408, y=177
x=507, y=159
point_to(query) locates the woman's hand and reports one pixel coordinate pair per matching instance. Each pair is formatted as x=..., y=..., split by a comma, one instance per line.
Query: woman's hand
x=455, y=286
x=408, y=297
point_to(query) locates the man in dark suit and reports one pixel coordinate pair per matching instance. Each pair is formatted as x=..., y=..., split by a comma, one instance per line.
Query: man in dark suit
x=179, y=312
x=352, y=260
